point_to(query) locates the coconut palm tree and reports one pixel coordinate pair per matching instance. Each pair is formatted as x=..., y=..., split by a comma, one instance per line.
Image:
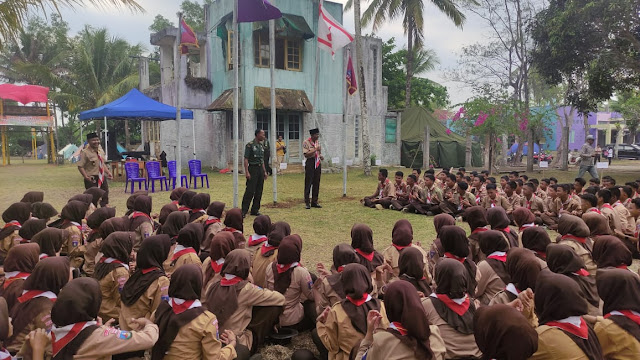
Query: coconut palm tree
x=13, y=13
x=412, y=13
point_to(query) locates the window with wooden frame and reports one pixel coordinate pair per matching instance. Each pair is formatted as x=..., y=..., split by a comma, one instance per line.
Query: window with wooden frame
x=293, y=54
x=288, y=52
x=261, y=48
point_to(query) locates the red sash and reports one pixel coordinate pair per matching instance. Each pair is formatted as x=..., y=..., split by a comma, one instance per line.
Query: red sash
x=581, y=331
x=502, y=258
x=148, y=270
x=595, y=210
x=340, y=269
x=358, y=302
x=180, y=308
x=478, y=230
x=66, y=222
x=459, y=309
x=368, y=256
x=633, y=317
x=30, y=295
x=542, y=254
x=581, y=240
x=582, y=272
x=137, y=214
x=507, y=229
x=624, y=267
x=12, y=223
x=59, y=344
x=229, y=282
x=400, y=247
x=216, y=267
x=183, y=252
x=608, y=206
x=317, y=157
x=184, y=208
x=211, y=221
x=283, y=268
x=258, y=241
x=100, y=170
x=399, y=328
x=451, y=256
x=20, y=275
x=265, y=249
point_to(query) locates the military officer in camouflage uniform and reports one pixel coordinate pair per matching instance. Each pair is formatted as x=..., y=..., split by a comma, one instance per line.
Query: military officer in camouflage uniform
x=255, y=173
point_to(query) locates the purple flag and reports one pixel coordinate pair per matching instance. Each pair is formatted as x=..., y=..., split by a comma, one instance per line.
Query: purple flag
x=257, y=10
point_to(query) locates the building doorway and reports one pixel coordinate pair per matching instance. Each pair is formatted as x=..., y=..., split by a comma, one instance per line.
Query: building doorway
x=288, y=125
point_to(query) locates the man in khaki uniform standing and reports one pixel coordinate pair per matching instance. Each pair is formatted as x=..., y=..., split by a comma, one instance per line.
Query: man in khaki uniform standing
x=93, y=168
x=312, y=168
x=256, y=174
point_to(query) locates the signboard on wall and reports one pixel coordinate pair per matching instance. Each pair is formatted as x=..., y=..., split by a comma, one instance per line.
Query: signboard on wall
x=37, y=121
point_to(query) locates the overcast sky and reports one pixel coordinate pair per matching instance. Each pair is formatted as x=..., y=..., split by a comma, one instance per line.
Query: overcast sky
x=440, y=33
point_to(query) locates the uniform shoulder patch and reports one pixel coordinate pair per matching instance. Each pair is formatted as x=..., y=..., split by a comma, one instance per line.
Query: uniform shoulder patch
x=124, y=335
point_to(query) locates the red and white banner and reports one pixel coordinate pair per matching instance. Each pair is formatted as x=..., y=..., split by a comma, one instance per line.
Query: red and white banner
x=331, y=35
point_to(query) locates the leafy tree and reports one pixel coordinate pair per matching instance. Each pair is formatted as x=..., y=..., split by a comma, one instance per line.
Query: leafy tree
x=629, y=105
x=160, y=23
x=192, y=12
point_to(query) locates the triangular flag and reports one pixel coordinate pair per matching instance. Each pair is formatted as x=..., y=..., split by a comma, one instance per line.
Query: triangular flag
x=331, y=35
x=257, y=10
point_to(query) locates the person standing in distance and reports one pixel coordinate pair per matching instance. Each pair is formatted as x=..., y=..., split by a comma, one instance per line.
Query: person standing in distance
x=587, y=156
x=255, y=173
x=312, y=168
x=93, y=168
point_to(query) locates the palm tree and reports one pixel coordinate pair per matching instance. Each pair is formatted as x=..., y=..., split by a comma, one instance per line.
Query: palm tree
x=13, y=13
x=412, y=13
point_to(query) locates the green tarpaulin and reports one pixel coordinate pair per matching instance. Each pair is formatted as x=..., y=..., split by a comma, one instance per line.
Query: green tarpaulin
x=445, y=150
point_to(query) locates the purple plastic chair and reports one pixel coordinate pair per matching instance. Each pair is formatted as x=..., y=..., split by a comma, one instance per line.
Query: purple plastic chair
x=195, y=172
x=153, y=170
x=132, y=170
x=173, y=174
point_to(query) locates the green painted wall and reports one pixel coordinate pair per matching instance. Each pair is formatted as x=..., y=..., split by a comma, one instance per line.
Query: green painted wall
x=331, y=79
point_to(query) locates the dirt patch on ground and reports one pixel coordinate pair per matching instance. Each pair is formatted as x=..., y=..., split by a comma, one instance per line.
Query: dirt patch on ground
x=285, y=204
x=279, y=352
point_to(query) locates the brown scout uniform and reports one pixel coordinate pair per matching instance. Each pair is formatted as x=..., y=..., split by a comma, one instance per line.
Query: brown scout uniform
x=612, y=217
x=392, y=256
x=458, y=345
x=616, y=342
x=212, y=230
x=534, y=204
x=479, y=194
x=500, y=201
x=250, y=296
x=514, y=200
x=338, y=334
x=626, y=220
x=91, y=251
x=572, y=206
x=188, y=258
x=325, y=296
x=259, y=267
x=146, y=304
x=554, y=344
x=105, y=341
x=489, y=285
x=143, y=231
x=384, y=190
x=503, y=298
x=199, y=339
x=553, y=206
x=386, y=346
x=40, y=321
x=542, y=195
x=584, y=254
x=74, y=247
x=299, y=291
x=8, y=242
x=110, y=286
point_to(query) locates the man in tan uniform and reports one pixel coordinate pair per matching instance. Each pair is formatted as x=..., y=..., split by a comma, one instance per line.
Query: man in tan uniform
x=385, y=192
x=93, y=168
x=312, y=168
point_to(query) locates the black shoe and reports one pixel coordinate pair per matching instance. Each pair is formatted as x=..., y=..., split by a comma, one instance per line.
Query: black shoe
x=256, y=214
x=307, y=206
x=316, y=206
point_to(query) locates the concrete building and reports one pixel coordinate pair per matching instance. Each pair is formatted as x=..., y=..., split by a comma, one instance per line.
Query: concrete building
x=295, y=57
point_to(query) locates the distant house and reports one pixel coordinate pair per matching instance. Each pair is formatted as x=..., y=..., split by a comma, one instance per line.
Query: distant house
x=295, y=63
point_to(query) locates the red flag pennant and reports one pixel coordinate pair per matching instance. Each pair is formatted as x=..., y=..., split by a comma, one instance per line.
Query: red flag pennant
x=352, y=84
x=187, y=37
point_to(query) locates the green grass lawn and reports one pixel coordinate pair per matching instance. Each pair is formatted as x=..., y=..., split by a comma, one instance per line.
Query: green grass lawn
x=320, y=229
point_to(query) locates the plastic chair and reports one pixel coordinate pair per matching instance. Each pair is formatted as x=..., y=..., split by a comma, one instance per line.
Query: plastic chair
x=153, y=172
x=132, y=170
x=195, y=172
x=171, y=165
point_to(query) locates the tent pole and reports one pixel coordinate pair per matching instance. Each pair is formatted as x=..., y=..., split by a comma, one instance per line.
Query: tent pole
x=106, y=140
x=272, y=137
x=235, y=104
x=178, y=108
x=193, y=126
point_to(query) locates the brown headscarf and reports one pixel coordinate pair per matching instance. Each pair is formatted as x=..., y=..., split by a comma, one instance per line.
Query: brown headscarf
x=343, y=254
x=21, y=258
x=562, y=259
x=177, y=193
x=490, y=242
x=499, y=221
x=503, y=333
x=50, y=274
x=221, y=245
x=455, y=243
x=32, y=227
x=112, y=225
x=439, y=221
x=476, y=217
x=411, y=267
x=96, y=193
x=132, y=199
x=79, y=301
x=96, y=219
x=357, y=285
x=191, y=236
x=523, y=216
x=262, y=225
x=402, y=234
x=165, y=211
x=50, y=240
x=185, y=199
x=75, y=211
x=452, y=281
x=33, y=197
x=233, y=219
x=142, y=204
x=362, y=243
x=216, y=209
x=19, y=212
x=117, y=245
x=43, y=210
x=186, y=284
x=573, y=225
x=557, y=297
x=4, y=320
x=523, y=268
x=620, y=290
x=175, y=221
x=199, y=205
x=279, y=231
x=288, y=253
x=536, y=239
x=406, y=309
x=222, y=297
x=84, y=198
x=609, y=251
x=154, y=250
x=597, y=223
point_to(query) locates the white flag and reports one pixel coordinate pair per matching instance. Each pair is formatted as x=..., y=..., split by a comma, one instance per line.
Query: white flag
x=331, y=35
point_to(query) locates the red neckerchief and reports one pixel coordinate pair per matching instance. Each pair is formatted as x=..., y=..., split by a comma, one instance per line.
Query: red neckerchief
x=633, y=317
x=507, y=229
x=12, y=223
x=317, y=158
x=451, y=256
x=148, y=270
x=526, y=226
x=595, y=210
x=502, y=258
x=258, y=241
x=183, y=252
x=198, y=210
x=608, y=206
x=175, y=202
x=582, y=331
x=216, y=267
x=229, y=229
x=399, y=328
x=582, y=272
x=43, y=256
x=624, y=267
x=581, y=240
x=114, y=261
x=381, y=187
x=5, y=354
x=212, y=221
x=528, y=202
x=30, y=295
x=459, y=309
x=138, y=214
x=184, y=208
x=340, y=269
x=615, y=204
x=542, y=254
x=480, y=229
x=358, y=302
x=400, y=247
x=283, y=268
x=59, y=344
x=265, y=249
x=18, y=276
x=627, y=202
x=229, y=282
x=180, y=308
x=67, y=221
x=368, y=256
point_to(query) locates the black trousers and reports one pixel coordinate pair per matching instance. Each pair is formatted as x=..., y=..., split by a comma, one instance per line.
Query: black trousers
x=253, y=192
x=105, y=187
x=311, y=178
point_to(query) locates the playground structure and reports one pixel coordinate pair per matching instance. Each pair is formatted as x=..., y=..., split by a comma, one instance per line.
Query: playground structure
x=33, y=116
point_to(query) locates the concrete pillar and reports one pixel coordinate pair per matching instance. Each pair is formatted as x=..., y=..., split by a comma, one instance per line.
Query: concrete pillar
x=166, y=62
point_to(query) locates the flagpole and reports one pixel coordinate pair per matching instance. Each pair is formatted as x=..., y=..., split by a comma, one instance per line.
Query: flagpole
x=344, y=133
x=272, y=137
x=193, y=126
x=178, y=108
x=235, y=103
